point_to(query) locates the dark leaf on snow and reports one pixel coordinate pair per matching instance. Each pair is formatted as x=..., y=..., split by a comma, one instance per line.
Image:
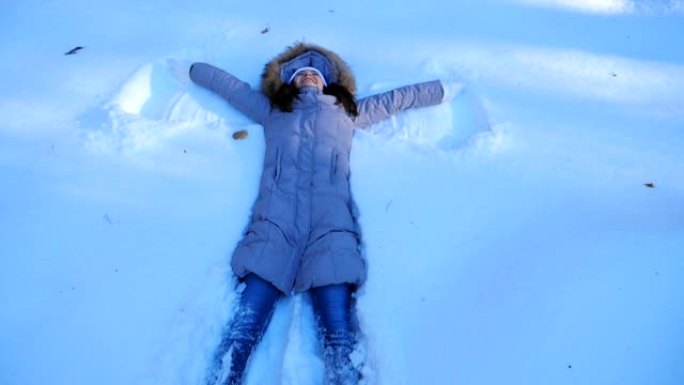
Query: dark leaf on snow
x=73, y=51
x=242, y=134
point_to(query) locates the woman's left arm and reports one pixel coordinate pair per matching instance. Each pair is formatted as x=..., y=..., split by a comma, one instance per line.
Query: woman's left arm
x=376, y=108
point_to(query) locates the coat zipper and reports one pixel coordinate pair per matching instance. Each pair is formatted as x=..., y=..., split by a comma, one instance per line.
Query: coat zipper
x=313, y=166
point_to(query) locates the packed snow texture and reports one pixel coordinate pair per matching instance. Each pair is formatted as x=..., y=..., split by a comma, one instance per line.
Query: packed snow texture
x=528, y=231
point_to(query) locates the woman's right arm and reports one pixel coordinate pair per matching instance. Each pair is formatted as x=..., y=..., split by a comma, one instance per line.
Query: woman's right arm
x=239, y=94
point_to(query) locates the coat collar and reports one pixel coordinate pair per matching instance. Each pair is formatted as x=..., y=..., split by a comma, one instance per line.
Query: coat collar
x=311, y=96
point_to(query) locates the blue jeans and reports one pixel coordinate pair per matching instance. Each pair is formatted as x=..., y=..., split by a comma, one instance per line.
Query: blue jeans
x=333, y=310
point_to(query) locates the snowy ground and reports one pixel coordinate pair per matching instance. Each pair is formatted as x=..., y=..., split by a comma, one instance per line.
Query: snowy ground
x=510, y=234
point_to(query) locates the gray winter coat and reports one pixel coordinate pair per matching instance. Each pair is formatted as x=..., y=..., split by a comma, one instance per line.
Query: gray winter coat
x=303, y=231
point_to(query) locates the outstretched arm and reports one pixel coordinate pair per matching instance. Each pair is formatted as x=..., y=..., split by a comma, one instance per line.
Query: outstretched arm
x=239, y=94
x=376, y=108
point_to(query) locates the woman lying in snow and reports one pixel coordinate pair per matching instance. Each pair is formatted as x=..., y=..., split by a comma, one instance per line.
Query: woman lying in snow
x=303, y=234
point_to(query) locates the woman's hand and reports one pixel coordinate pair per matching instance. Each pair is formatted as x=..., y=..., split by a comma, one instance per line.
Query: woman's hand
x=452, y=88
x=180, y=70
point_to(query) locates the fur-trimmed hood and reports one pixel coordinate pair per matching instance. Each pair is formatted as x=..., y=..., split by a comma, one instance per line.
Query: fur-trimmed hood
x=271, y=77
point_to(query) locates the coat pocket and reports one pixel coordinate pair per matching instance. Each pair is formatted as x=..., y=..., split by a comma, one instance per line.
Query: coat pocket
x=333, y=166
x=277, y=172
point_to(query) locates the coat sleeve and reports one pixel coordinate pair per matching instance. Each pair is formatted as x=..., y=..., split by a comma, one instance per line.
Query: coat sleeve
x=239, y=94
x=376, y=108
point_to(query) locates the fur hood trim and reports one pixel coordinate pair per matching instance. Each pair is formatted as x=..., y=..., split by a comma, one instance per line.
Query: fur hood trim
x=271, y=77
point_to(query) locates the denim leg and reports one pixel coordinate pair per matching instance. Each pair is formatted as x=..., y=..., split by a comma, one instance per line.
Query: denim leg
x=333, y=309
x=244, y=331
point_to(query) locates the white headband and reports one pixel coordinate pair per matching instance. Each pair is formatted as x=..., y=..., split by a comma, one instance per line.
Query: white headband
x=308, y=69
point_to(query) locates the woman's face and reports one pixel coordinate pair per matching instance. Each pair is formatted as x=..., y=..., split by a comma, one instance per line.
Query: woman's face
x=308, y=79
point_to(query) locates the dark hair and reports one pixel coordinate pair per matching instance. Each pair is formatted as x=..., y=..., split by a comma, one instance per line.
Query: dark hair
x=286, y=94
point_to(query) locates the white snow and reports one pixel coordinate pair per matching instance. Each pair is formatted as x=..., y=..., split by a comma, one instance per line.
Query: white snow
x=510, y=235
x=592, y=6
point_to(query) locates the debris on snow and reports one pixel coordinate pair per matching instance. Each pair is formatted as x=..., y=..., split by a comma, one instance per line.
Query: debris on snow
x=239, y=135
x=73, y=51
